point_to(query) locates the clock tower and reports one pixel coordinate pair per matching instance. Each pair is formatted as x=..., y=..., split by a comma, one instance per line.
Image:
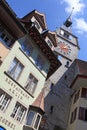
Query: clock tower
x=66, y=49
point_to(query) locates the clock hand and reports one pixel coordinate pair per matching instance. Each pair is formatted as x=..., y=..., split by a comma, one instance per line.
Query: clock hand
x=65, y=46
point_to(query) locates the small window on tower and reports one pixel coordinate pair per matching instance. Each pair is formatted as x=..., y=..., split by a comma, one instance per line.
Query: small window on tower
x=67, y=64
x=61, y=32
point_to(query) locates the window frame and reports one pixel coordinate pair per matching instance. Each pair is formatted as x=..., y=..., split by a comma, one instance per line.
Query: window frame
x=40, y=62
x=13, y=68
x=29, y=83
x=33, y=122
x=49, y=43
x=65, y=35
x=84, y=93
x=27, y=47
x=73, y=115
x=5, y=100
x=16, y=110
x=6, y=36
x=76, y=96
x=37, y=25
x=82, y=115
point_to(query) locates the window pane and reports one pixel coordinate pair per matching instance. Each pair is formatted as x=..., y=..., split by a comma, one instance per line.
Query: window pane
x=84, y=92
x=13, y=66
x=39, y=62
x=15, y=69
x=81, y=113
x=31, y=84
x=49, y=43
x=37, y=122
x=31, y=117
x=4, y=100
x=18, y=70
x=37, y=25
x=18, y=112
x=73, y=115
x=76, y=96
x=27, y=48
x=6, y=37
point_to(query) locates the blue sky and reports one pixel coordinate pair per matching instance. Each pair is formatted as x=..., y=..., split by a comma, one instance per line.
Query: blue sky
x=56, y=12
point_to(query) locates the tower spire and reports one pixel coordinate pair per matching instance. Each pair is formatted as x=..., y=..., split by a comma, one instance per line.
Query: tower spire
x=68, y=21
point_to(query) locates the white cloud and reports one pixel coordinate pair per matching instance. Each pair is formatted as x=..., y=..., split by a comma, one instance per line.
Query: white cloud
x=77, y=4
x=81, y=25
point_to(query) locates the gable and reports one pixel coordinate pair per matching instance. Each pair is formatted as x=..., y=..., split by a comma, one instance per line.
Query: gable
x=39, y=17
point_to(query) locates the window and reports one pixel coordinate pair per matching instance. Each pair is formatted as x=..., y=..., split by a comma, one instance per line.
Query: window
x=37, y=121
x=82, y=114
x=4, y=100
x=33, y=119
x=66, y=35
x=1, y=128
x=60, y=57
x=6, y=38
x=67, y=64
x=76, y=96
x=61, y=32
x=73, y=115
x=15, y=69
x=84, y=93
x=51, y=86
x=49, y=43
x=18, y=112
x=27, y=48
x=51, y=109
x=39, y=62
x=37, y=25
x=31, y=84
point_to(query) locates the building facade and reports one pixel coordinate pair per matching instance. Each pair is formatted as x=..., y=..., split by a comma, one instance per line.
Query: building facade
x=42, y=84
x=26, y=61
x=77, y=116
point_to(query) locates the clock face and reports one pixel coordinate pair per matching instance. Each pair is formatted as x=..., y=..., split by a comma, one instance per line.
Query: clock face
x=64, y=47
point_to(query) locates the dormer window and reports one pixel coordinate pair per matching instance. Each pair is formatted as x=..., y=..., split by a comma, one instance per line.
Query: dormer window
x=49, y=43
x=37, y=25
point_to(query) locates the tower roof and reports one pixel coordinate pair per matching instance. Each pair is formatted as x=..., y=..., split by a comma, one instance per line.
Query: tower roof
x=39, y=102
x=68, y=21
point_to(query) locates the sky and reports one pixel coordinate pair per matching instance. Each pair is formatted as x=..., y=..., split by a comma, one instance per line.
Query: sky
x=56, y=12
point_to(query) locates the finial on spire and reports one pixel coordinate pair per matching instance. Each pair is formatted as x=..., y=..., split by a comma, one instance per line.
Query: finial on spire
x=68, y=21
